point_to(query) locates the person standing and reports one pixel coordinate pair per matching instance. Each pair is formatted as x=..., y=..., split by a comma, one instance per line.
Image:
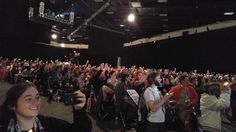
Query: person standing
x=185, y=99
x=233, y=102
x=155, y=101
x=212, y=101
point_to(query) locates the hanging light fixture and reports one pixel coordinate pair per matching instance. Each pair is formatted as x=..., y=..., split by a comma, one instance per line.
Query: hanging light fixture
x=131, y=17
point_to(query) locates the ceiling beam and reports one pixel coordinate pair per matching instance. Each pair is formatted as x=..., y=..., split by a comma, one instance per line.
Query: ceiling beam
x=65, y=45
x=69, y=45
x=91, y=17
x=106, y=29
x=179, y=33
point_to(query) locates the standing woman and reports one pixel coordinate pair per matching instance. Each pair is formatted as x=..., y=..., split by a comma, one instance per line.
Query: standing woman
x=154, y=102
x=20, y=113
x=213, y=100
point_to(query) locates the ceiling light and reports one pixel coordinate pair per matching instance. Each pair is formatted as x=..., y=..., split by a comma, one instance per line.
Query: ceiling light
x=163, y=14
x=54, y=36
x=110, y=12
x=162, y=1
x=165, y=20
x=131, y=17
x=228, y=13
x=127, y=30
x=121, y=25
x=62, y=45
x=165, y=25
x=98, y=1
x=117, y=20
x=136, y=4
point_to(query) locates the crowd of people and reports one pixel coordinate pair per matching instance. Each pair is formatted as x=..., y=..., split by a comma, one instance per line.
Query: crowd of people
x=197, y=101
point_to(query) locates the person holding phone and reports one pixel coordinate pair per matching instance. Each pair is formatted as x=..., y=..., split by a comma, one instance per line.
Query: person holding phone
x=215, y=98
x=20, y=113
x=155, y=102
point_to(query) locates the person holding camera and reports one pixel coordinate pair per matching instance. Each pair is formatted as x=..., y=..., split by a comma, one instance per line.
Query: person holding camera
x=215, y=98
x=20, y=112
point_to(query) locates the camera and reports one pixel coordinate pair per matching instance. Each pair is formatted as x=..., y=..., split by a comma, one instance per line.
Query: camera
x=70, y=98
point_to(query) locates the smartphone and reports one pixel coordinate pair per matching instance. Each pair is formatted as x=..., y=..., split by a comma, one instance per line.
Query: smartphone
x=173, y=94
x=226, y=83
x=69, y=98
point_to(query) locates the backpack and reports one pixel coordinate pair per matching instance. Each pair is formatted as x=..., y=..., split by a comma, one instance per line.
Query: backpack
x=142, y=114
x=142, y=109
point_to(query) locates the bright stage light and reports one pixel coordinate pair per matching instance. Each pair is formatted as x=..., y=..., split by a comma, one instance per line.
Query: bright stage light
x=131, y=17
x=54, y=36
x=62, y=45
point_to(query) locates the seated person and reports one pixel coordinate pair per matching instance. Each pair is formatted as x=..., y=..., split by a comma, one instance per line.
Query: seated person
x=109, y=88
x=124, y=103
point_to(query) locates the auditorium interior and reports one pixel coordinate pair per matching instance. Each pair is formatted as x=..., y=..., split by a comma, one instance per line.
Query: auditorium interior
x=64, y=45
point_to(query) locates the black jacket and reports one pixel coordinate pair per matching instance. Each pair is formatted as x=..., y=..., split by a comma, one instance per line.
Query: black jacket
x=82, y=123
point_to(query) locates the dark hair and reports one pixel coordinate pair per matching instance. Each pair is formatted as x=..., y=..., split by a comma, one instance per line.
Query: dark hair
x=151, y=78
x=213, y=88
x=12, y=96
x=123, y=76
x=110, y=73
x=182, y=77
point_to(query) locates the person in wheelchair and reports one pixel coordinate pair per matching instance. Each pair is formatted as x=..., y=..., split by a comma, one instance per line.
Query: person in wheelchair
x=109, y=88
x=106, y=96
x=55, y=82
x=124, y=105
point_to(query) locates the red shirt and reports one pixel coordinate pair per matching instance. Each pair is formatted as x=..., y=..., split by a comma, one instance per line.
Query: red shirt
x=191, y=92
x=2, y=72
x=233, y=86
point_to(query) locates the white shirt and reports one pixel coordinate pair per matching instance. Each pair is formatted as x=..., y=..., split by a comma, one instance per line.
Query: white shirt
x=151, y=94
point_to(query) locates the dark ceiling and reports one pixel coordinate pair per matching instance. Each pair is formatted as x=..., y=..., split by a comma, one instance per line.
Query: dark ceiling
x=153, y=17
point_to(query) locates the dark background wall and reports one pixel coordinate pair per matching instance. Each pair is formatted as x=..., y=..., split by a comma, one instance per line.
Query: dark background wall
x=214, y=50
